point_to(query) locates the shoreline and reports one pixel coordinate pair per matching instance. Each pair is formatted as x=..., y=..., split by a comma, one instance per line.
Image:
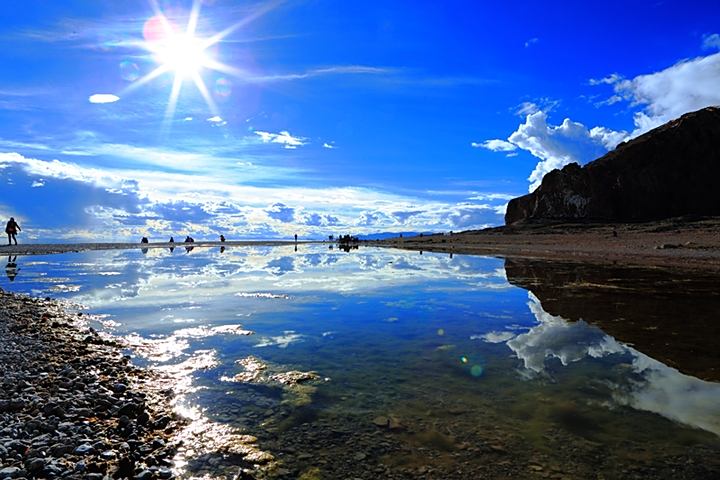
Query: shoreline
x=674, y=243
x=72, y=405
x=52, y=248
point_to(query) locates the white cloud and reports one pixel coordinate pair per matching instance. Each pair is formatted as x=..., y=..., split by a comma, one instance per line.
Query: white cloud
x=103, y=98
x=283, y=138
x=38, y=183
x=531, y=41
x=686, y=86
x=495, y=145
x=317, y=72
x=557, y=146
x=711, y=41
x=611, y=79
x=329, y=146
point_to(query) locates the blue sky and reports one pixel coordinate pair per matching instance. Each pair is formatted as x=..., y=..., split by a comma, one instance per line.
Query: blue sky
x=324, y=117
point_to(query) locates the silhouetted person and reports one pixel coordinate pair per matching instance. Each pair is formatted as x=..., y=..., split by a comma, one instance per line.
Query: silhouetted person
x=296, y=238
x=222, y=249
x=222, y=238
x=144, y=240
x=189, y=239
x=296, y=248
x=188, y=249
x=172, y=240
x=12, y=228
x=172, y=249
x=11, y=269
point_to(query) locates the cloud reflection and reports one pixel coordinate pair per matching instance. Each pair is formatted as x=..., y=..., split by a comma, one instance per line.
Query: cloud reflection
x=652, y=387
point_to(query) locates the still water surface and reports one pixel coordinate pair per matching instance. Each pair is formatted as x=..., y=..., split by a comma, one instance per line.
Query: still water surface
x=391, y=364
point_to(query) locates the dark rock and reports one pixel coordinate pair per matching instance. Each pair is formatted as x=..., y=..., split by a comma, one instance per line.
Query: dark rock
x=84, y=449
x=11, y=472
x=667, y=172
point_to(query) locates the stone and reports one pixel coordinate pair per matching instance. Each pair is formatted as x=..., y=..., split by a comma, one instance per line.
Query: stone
x=667, y=172
x=11, y=472
x=84, y=449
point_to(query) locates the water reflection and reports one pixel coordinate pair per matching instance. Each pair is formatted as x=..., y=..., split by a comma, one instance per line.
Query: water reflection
x=413, y=366
x=637, y=380
x=11, y=269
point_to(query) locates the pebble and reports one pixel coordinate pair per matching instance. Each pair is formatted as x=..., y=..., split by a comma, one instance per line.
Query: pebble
x=71, y=405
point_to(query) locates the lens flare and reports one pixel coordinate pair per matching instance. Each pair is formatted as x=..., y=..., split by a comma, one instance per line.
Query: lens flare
x=129, y=71
x=476, y=370
x=223, y=87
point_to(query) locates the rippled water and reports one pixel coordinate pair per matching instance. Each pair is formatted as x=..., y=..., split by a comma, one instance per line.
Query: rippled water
x=391, y=364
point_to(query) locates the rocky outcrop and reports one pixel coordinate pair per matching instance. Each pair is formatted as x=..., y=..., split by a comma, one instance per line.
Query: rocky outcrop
x=670, y=171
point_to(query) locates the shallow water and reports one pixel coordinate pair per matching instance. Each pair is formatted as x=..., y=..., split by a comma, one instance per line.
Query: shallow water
x=407, y=365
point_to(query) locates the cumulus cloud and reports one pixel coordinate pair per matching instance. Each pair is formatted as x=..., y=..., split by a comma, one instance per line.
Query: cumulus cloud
x=495, y=145
x=329, y=146
x=559, y=145
x=531, y=41
x=711, y=41
x=283, y=138
x=103, y=98
x=38, y=183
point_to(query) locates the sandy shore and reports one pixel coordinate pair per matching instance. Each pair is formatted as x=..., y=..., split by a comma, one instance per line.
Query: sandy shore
x=674, y=243
x=71, y=405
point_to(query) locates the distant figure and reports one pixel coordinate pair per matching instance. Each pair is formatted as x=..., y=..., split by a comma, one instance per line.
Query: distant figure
x=172, y=240
x=222, y=249
x=296, y=238
x=11, y=269
x=144, y=240
x=12, y=228
x=172, y=249
x=189, y=239
x=222, y=238
x=144, y=250
x=614, y=233
x=188, y=249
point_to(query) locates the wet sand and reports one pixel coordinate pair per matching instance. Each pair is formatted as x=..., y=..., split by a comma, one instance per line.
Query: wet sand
x=675, y=243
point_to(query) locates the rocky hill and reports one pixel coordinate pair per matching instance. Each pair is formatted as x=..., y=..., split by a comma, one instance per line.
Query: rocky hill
x=670, y=171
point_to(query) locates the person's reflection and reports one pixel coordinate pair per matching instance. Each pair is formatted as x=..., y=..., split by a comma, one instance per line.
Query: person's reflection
x=144, y=250
x=11, y=269
x=296, y=245
x=172, y=249
x=189, y=249
x=222, y=249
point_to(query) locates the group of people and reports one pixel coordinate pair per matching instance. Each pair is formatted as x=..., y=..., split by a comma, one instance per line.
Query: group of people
x=188, y=239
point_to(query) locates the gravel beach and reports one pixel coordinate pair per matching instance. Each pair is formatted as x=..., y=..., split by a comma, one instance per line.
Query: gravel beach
x=72, y=405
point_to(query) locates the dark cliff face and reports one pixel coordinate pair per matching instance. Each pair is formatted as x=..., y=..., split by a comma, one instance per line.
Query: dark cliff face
x=670, y=171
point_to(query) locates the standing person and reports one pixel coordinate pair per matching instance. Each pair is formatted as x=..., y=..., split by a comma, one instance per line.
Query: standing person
x=12, y=228
x=296, y=238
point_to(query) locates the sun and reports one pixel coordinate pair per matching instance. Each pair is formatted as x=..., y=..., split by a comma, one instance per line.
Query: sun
x=183, y=54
